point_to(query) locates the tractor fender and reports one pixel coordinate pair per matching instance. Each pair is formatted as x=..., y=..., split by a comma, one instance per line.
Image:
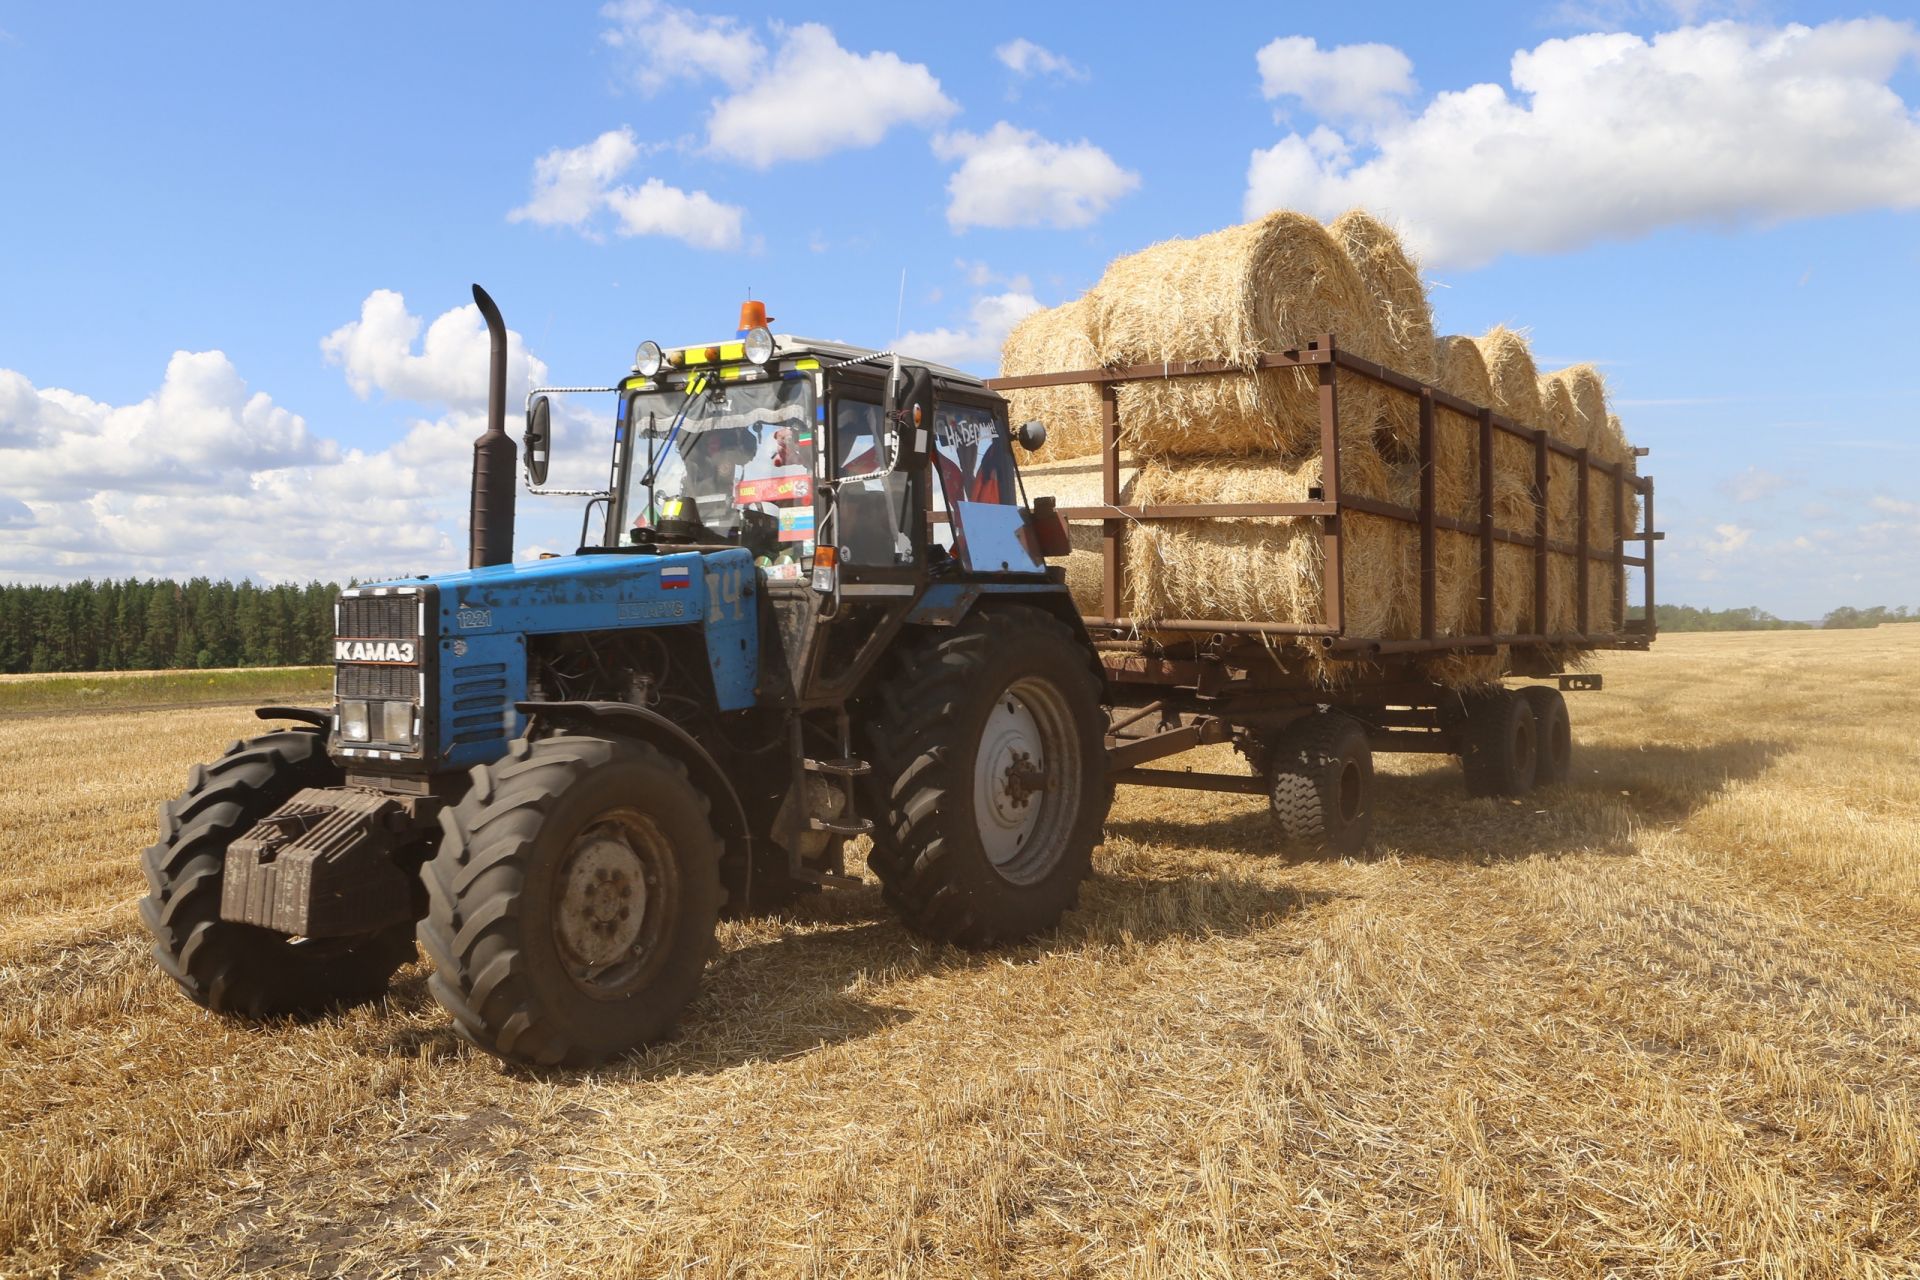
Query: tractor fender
x=948, y=604
x=629, y=721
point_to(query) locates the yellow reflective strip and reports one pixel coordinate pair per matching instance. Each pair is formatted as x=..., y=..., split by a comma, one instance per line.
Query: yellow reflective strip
x=808, y=363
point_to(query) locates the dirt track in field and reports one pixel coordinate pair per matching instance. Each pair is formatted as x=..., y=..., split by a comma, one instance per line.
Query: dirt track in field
x=1663, y=1021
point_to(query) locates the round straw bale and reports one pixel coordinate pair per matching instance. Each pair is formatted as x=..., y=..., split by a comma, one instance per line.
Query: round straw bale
x=1459, y=370
x=1589, y=392
x=1610, y=444
x=1076, y=482
x=1512, y=374
x=1264, y=569
x=1055, y=340
x=1392, y=278
x=1234, y=295
x=1557, y=411
x=1399, y=298
x=1516, y=395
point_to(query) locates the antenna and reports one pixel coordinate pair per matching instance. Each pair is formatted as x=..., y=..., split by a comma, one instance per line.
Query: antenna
x=900, y=307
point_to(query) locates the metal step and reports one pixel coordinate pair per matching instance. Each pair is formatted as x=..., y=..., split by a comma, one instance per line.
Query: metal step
x=843, y=827
x=838, y=768
x=828, y=879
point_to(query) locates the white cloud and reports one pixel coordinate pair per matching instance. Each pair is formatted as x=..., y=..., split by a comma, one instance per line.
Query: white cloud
x=1350, y=82
x=1727, y=539
x=990, y=319
x=668, y=43
x=1612, y=136
x=656, y=209
x=1025, y=58
x=206, y=477
x=1894, y=506
x=201, y=427
x=817, y=98
x=1011, y=177
x=572, y=185
x=1753, y=484
x=377, y=353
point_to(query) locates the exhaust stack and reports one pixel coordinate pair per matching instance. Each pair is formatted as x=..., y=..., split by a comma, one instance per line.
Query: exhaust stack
x=490, y=516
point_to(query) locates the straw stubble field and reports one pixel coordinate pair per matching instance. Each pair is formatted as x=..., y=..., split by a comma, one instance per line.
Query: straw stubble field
x=1659, y=1022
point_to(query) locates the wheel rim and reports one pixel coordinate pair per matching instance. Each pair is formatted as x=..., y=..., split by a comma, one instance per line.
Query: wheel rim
x=618, y=894
x=1026, y=783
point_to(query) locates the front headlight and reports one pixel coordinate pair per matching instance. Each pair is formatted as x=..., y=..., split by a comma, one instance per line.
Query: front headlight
x=353, y=721
x=398, y=717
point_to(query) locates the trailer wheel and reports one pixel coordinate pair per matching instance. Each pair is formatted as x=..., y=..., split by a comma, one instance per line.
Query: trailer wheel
x=1498, y=743
x=236, y=968
x=990, y=770
x=1320, y=784
x=573, y=900
x=1553, y=735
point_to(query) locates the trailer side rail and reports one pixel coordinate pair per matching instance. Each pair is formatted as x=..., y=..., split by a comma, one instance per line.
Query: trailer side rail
x=1325, y=356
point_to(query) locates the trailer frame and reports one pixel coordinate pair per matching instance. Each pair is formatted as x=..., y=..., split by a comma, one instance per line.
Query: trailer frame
x=1201, y=681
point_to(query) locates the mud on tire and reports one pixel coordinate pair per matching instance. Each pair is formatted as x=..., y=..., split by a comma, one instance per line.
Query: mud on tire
x=237, y=968
x=965, y=862
x=573, y=900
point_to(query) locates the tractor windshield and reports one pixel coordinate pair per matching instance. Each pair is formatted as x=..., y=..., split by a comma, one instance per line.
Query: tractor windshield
x=738, y=468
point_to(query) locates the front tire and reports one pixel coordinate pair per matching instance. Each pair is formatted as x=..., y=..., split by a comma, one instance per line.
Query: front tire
x=1553, y=735
x=990, y=764
x=573, y=900
x=236, y=968
x=1498, y=744
x=1319, y=774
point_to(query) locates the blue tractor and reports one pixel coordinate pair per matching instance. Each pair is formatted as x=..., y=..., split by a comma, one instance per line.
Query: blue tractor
x=808, y=607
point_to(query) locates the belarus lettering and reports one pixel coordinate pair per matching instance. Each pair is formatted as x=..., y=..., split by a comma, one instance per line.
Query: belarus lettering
x=373, y=651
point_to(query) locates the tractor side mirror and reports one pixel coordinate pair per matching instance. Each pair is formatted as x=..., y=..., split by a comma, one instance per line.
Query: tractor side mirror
x=539, y=440
x=910, y=411
x=1031, y=435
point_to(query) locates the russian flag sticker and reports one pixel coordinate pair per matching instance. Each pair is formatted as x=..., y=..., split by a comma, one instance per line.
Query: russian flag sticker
x=672, y=577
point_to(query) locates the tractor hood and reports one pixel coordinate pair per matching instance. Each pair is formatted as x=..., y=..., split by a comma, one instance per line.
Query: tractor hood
x=474, y=628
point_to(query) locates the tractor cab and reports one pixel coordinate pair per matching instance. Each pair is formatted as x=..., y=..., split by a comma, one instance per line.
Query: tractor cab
x=857, y=481
x=785, y=445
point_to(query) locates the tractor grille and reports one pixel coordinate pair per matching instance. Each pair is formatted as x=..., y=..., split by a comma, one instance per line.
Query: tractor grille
x=378, y=617
x=354, y=680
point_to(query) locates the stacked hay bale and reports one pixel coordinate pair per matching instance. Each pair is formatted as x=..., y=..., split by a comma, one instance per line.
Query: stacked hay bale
x=1234, y=295
x=1255, y=437
x=1056, y=340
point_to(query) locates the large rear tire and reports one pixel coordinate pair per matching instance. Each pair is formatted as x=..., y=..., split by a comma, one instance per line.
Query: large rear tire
x=237, y=968
x=1319, y=774
x=573, y=900
x=990, y=766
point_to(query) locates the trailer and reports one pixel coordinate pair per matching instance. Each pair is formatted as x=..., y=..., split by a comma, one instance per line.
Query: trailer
x=1175, y=684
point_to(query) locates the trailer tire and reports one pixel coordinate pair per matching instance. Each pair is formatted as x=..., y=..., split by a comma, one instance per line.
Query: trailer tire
x=1498, y=746
x=236, y=968
x=1319, y=773
x=959, y=853
x=1553, y=735
x=573, y=899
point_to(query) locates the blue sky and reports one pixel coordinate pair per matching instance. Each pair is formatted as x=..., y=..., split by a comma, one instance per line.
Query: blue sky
x=1717, y=202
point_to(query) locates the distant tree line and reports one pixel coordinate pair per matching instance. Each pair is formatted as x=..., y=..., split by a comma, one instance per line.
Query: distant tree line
x=1682, y=617
x=1848, y=618
x=132, y=625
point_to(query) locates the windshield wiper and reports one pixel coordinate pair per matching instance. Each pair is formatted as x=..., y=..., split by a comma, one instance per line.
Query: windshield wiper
x=694, y=386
